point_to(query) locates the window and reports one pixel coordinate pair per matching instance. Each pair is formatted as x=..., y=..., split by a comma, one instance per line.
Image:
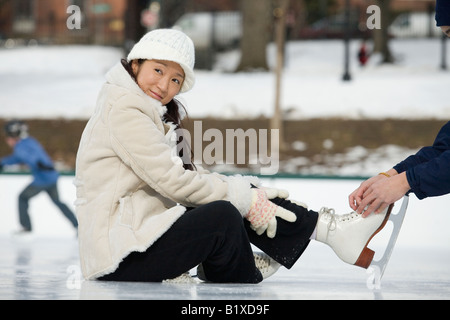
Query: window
x=23, y=9
x=24, y=16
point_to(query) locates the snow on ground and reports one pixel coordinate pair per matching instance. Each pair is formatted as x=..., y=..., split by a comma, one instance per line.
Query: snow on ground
x=63, y=81
x=413, y=88
x=52, y=82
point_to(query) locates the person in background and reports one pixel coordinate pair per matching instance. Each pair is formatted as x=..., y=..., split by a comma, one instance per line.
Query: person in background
x=28, y=151
x=363, y=54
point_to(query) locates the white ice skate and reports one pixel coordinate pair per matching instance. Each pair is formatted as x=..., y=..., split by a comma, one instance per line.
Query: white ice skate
x=266, y=265
x=377, y=267
x=185, y=278
x=349, y=234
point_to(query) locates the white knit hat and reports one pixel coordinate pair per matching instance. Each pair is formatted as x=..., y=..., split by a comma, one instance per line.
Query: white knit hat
x=168, y=45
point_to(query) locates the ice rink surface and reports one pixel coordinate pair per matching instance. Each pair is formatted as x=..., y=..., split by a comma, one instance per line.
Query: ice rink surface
x=46, y=264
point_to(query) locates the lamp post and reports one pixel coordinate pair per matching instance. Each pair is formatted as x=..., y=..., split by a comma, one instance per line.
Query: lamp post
x=347, y=76
x=444, y=52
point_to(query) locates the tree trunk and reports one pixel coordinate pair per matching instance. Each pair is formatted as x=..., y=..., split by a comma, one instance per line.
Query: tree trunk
x=381, y=36
x=257, y=21
x=133, y=27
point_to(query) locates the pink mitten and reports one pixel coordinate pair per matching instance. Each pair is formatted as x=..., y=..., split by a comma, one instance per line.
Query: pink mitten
x=263, y=213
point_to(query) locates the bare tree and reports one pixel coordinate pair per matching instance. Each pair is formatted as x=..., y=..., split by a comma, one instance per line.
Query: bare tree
x=257, y=31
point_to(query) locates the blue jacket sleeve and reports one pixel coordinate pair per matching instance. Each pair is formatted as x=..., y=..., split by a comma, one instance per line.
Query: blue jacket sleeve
x=428, y=171
x=29, y=152
x=11, y=160
x=432, y=178
x=442, y=13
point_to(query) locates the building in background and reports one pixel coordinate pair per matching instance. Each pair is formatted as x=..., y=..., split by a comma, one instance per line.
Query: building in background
x=45, y=21
x=122, y=22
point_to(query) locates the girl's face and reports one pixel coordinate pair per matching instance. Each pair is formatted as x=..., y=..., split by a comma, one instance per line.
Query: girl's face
x=162, y=80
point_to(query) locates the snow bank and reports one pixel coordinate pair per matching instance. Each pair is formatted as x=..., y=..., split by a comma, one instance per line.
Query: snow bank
x=63, y=82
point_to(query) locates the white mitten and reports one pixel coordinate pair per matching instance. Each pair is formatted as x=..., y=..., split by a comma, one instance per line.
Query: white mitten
x=263, y=213
x=273, y=193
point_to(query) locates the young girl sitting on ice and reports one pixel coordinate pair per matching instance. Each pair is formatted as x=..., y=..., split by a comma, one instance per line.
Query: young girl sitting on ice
x=144, y=215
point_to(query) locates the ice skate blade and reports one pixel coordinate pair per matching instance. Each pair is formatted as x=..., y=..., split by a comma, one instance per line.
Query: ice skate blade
x=366, y=256
x=397, y=221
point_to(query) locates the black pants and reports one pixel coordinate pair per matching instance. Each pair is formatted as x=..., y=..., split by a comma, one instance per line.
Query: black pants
x=217, y=236
x=32, y=191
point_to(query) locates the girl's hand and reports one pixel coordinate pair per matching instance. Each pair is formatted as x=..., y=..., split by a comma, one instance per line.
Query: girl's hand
x=263, y=214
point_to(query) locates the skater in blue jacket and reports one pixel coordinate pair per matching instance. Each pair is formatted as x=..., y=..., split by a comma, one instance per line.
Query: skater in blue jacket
x=426, y=174
x=28, y=151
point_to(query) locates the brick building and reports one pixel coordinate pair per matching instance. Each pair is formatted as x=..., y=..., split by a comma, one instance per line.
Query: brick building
x=102, y=21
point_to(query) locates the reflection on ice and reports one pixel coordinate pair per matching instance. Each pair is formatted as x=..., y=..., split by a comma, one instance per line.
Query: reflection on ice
x=46, y=265
x=49, y=269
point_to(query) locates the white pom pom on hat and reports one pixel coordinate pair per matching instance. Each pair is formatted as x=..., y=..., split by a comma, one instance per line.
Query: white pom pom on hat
x=168, y=45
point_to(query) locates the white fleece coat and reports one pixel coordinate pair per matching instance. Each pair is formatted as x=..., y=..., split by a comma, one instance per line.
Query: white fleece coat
x=130, y=185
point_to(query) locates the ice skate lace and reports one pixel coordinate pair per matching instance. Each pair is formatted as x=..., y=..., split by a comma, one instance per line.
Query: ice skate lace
x=184, y=278
x=261, y=262
x=265, y=264
x=329, y=214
